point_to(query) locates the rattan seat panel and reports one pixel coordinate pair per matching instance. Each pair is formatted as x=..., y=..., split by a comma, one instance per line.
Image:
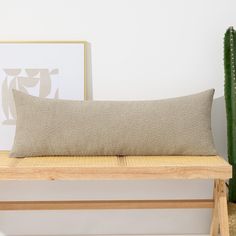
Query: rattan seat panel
x=113, y=167
x=59, y=161
x=110, y=161
x=152, y=161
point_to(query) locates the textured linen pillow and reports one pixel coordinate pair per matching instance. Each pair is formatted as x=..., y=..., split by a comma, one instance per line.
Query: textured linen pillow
x=176, y=126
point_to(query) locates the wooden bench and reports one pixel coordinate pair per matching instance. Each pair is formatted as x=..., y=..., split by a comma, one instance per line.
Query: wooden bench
x=122, y=167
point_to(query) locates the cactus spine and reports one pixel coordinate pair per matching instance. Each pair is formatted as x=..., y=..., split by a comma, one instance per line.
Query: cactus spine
x=230, y=101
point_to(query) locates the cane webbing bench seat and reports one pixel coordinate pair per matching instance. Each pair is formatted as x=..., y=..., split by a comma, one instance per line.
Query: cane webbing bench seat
x=113, y=167
x=122, y=168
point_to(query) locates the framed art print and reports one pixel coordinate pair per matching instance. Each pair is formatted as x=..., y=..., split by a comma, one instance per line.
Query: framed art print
x=47, y=69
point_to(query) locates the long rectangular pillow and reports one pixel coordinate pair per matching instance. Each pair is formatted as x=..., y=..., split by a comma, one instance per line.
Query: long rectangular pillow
x=176, y=126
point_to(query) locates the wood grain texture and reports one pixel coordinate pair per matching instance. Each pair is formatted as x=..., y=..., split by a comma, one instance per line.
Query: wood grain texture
x=113, y=167
x=104, y=204
x=223, y=209
x=214, y=230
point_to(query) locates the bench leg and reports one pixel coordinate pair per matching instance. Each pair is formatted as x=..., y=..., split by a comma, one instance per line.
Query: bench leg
x=220, y=210
x=223, y=209
x=215, y=219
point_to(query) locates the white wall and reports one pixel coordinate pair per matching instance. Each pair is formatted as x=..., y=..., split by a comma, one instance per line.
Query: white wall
x=140, y=49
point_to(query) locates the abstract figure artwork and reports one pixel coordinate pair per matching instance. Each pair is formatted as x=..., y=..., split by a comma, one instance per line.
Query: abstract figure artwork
x=15, y=79
x=43, y=69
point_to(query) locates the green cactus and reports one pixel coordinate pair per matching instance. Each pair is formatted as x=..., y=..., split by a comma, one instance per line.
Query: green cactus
x=230, y=101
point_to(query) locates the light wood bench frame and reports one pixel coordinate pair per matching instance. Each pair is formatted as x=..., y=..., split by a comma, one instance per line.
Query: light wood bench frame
x=125, y=168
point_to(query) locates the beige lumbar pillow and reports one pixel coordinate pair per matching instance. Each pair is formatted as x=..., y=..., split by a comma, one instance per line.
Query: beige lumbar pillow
x=177, y=126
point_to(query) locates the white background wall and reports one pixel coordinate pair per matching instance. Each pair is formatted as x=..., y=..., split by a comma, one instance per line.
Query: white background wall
x=140, y=49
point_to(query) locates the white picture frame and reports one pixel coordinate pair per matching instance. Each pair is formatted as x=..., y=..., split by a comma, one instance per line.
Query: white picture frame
x=50, y=69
